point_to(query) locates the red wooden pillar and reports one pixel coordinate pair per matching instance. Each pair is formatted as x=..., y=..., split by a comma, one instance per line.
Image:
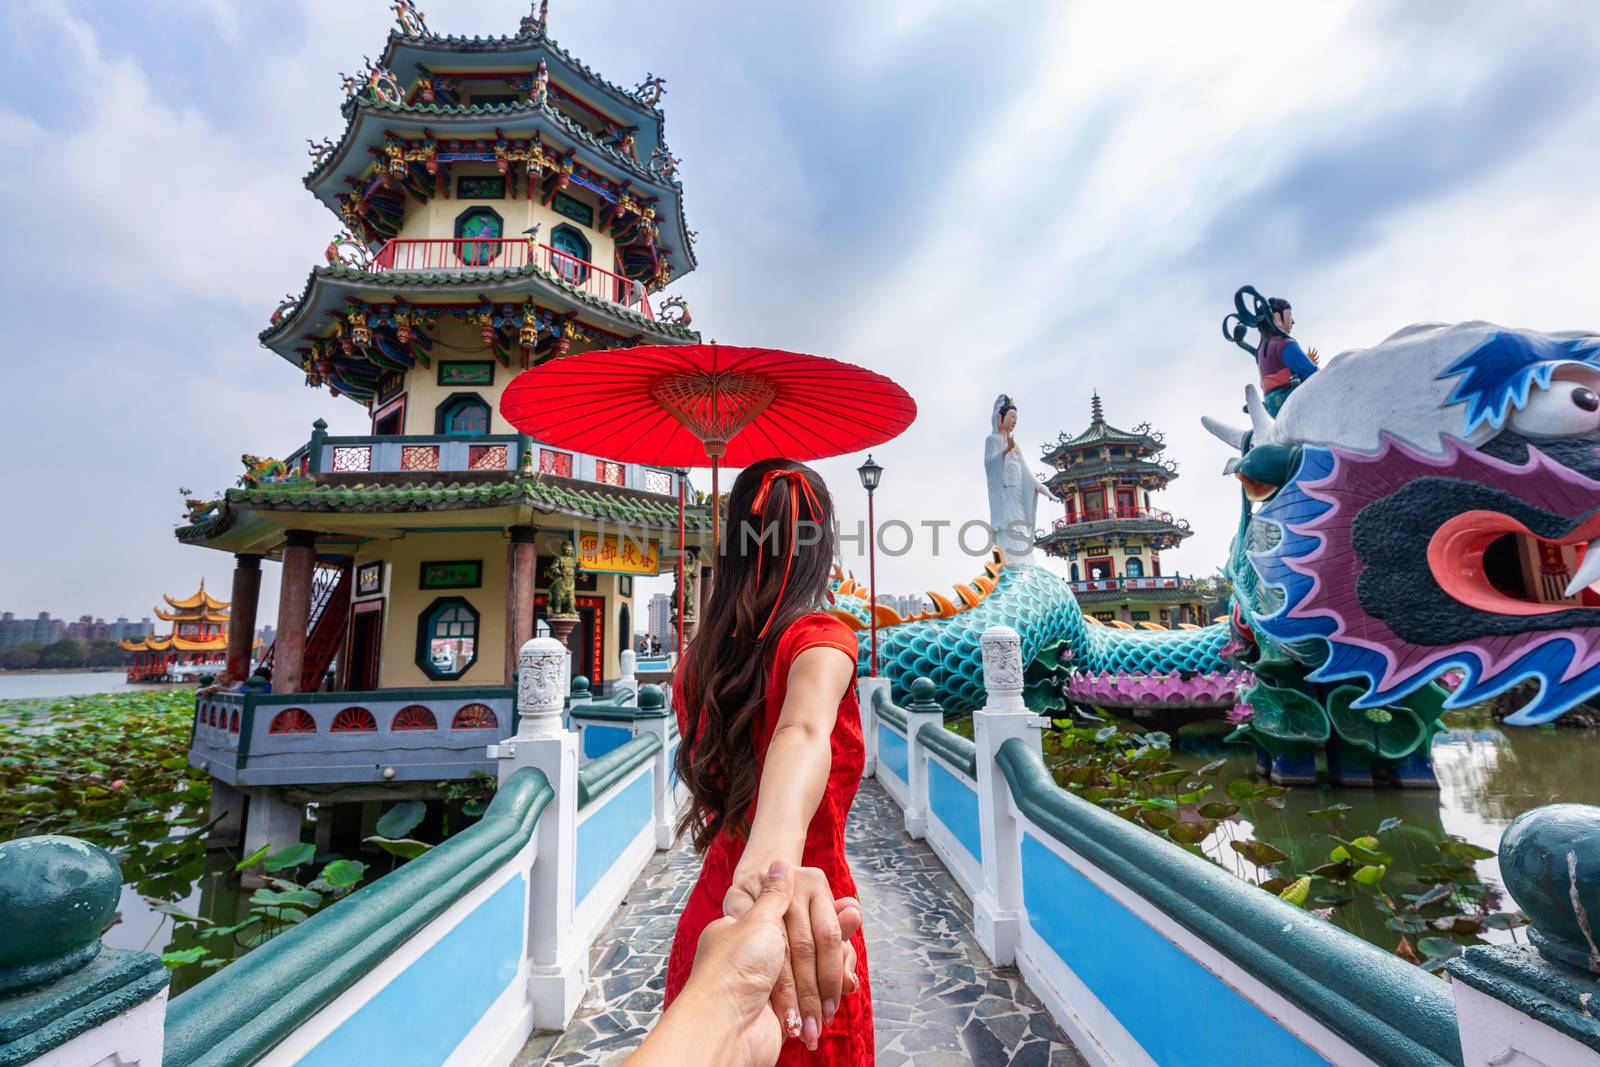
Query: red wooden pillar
x=242, y=614
x=294, y=610
x=524, y=563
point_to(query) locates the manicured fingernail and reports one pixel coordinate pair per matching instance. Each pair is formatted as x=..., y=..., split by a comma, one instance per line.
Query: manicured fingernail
x=809, y=1036
x=853, y=979
x=791, y=1019
x=828, y=1008
x=778, y=869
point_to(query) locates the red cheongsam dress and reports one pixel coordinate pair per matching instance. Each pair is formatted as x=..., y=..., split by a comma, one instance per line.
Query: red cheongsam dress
x=847, y=1041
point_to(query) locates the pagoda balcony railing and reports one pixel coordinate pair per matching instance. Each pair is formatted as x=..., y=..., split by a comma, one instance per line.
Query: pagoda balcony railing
x=1083, y=518
x=475, y=254
x=450, y=453
x=1117, y=585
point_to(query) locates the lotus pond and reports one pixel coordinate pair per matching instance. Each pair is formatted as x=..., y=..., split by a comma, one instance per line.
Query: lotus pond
x=1412, y=871
x=113, y=769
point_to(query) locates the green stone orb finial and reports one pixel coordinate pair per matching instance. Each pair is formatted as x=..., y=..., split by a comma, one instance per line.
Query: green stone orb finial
x=922, y=696
x=1550, y=861
x=651, y=698
x=56, y=896
x=580, y=685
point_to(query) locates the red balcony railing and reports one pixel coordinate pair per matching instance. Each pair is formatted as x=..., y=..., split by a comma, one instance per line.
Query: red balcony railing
x=1111, y=514
x=481, y=253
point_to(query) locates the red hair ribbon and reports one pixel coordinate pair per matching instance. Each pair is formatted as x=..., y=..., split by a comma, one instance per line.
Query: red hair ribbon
x=802, y=489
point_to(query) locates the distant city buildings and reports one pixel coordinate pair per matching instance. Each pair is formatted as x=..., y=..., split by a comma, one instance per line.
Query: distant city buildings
x=266, y=635
x=906, y=604
x=43, y=630
x=95, y=629
x=658, y=617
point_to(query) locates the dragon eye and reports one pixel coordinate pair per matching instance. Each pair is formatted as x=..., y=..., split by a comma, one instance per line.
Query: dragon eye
x=1567, y=408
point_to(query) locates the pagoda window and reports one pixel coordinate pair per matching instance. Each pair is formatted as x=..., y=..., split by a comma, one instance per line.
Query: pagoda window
x=610, y=473
x=478, y=234
x=1133, y=568
x=1075, y=572
x=463, y=415
x=569, y=256
x=1099, y=569
x=557, y=463
x=447, y=638
x=1127, y=503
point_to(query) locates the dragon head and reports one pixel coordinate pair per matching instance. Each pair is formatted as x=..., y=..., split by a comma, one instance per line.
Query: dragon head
x=1428, y=505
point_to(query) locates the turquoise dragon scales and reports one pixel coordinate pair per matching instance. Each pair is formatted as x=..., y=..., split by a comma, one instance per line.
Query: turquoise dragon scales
x=1182, y=668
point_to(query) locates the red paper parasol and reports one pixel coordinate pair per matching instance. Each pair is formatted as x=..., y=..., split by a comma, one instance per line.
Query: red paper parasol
x=706, y=405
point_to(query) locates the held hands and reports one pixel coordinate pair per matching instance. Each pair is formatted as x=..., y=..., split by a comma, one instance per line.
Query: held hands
x=819, y=965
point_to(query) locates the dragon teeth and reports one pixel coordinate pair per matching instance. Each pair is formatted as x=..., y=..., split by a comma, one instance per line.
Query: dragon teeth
x=1588, y=571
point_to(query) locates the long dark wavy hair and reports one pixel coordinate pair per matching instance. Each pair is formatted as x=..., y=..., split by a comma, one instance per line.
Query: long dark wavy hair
x=774, y=521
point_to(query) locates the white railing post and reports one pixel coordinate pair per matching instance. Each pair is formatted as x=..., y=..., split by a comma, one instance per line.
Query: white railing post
x=997, y=910
x=921, y=710
x=558, y=963
x=629, y=679
x=653, y=717
x=865, y=687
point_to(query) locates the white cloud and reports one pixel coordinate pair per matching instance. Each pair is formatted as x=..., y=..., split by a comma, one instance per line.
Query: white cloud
x=1050, y=246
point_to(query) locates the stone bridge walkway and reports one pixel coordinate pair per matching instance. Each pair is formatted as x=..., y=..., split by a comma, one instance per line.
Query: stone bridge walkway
x=936, y=999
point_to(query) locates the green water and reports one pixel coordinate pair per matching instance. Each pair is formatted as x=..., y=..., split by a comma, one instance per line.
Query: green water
x=1487, y=777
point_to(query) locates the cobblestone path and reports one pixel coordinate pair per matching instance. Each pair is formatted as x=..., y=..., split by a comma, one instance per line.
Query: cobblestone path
x=936, y=999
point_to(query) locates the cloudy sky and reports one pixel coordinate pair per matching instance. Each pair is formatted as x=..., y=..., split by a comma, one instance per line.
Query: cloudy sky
x=1034, y=198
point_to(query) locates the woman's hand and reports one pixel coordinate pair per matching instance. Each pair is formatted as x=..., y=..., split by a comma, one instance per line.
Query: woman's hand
x=813, y=973
x=725, y=1013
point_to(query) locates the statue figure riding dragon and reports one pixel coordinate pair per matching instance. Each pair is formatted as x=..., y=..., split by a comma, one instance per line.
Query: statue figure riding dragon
x=1416, y=533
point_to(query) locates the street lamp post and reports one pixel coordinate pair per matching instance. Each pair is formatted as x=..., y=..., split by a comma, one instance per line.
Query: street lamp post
x=871, y=474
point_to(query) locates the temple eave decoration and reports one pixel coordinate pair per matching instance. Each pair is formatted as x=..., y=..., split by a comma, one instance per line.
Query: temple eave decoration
x=348, y=341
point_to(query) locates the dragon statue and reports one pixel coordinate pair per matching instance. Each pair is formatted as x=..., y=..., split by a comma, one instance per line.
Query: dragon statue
x=1415, y=536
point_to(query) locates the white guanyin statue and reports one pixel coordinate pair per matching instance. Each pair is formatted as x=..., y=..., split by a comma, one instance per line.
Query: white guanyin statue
x=1013, y=492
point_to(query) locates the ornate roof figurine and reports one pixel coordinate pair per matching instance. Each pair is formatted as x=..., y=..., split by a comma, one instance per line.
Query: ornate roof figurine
x=537, y=21
x=319, y=150
x=285, y=307
x=651, y=90
x=675, y=309
x=411, y=21
x=263, y=470
x=664, y=163
x=346, y=250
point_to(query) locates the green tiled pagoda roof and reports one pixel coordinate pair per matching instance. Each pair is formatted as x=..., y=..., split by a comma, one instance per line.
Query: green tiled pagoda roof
x=1098, y=529
x=405, y=279
x=1096, y=467
x=1100, y=433
x=511, y=43
x=352, y=109
x=544, y=494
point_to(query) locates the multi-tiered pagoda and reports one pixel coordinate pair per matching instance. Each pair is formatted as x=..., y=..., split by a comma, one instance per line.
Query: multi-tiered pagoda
x=503, y=205
x=1111, y=534
x=198, y=639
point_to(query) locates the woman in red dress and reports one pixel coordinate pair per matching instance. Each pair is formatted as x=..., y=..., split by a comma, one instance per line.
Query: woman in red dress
x=772, y=754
